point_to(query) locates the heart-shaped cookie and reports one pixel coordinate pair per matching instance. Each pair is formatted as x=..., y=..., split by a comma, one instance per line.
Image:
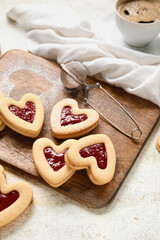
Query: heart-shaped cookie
x=25, y=117
x=14, y=199
x=49, y=161
x=96, y=153
x=2, y=125
x=68, y=121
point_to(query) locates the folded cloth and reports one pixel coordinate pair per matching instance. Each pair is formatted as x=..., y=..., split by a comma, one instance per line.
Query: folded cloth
x=60, y=34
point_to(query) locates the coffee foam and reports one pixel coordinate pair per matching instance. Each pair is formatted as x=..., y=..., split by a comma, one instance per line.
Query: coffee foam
x=140, y=11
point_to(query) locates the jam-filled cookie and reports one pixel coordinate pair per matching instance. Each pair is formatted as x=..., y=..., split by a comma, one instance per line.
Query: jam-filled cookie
x=14, y=199
x=49, y=161
x=25, y=117
x=2, y=125
x=158, y=143
x=96, y=153
x=68, y=121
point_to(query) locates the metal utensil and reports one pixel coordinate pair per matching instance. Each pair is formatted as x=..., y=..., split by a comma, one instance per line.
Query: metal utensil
x=74, y=70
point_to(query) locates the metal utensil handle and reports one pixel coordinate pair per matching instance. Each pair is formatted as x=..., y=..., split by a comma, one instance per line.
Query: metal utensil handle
x=97, y=85
x=106, y=119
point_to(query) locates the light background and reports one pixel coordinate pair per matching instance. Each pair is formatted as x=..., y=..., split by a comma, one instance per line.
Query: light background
x=135, y=212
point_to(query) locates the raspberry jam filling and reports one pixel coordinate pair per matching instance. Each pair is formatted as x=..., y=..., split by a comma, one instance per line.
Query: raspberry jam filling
x=98, y=151
x=67, y=118
x=27, y=113
x=55, y=160
x=8, y=199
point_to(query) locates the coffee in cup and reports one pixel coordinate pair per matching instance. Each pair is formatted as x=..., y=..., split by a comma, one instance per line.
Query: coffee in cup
x=138, y=20
x=140, y=11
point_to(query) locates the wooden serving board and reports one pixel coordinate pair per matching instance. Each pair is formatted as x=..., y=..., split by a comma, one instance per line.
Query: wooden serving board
x=22, y=72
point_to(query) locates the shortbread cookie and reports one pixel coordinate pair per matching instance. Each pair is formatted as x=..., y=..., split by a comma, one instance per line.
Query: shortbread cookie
x=25, y=117
x=49, y=161
x=14, y=199
x=96, y=153
x=158, y=143
x=68, y=121
x=2, y=125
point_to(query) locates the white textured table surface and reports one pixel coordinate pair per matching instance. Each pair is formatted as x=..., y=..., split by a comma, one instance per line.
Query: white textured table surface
x=135, y=212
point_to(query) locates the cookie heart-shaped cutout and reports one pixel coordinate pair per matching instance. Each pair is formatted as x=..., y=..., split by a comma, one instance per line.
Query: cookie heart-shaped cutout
x=68, y=121
x=2, y=125
x=14, y=199
x=8, y=199
x=49, y=161
x=25, y=117
x=95, y=153
x=98, y=151
x=27, y=113
x=67, y=118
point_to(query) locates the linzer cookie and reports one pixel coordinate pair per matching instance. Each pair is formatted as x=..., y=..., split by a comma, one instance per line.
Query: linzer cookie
x=49, y=161
x=14, y=199
x=2, y=125
x=68, y=121
x=95, y=153
x=25, y=117
x=158, y=143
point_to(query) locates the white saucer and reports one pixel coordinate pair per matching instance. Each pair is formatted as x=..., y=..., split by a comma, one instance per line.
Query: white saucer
x=113, y=35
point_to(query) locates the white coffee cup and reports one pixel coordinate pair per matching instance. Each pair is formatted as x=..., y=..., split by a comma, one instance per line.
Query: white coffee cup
x=135, y=34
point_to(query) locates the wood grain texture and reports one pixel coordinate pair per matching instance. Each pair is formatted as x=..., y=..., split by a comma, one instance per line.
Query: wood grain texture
x=22, y=72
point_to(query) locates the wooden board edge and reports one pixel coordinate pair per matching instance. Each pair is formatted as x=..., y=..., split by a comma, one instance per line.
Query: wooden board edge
x=115, y=193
